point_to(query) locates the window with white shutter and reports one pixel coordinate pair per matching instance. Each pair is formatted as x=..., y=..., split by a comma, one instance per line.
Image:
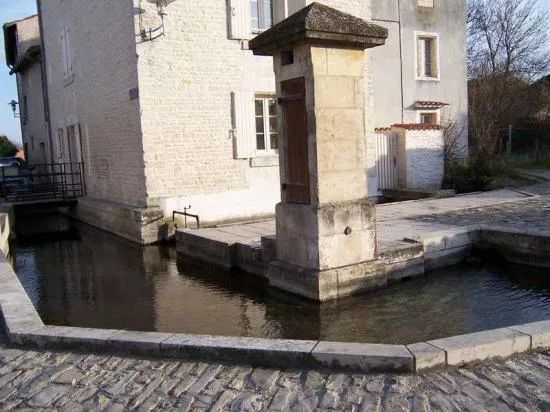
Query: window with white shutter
x=244, y=137
x=239, y=19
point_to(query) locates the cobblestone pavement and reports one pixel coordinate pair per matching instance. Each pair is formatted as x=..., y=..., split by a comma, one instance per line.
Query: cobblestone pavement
x=522, y=212
x=74, y=382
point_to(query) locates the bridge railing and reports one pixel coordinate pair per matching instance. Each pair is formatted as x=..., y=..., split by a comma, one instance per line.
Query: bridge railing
x=46, y=181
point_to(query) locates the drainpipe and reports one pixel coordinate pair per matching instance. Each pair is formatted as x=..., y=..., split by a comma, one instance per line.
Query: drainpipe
x=401, y=59
x=45, y=82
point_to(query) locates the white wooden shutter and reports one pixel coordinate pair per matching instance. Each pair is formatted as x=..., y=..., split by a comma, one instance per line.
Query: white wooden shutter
x=244, y=131
x=280, y=11
x=435, y=57
x=239, y=19
x=419, y=57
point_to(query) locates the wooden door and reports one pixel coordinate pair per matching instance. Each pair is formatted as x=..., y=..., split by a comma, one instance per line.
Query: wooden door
x=293, y=101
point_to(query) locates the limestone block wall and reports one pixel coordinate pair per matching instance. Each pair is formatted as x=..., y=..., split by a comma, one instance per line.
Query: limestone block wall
x=34, y=127
x=420, y=157
x=339, y=117
x=186, y=79
x=28, y=34
x=97, y=91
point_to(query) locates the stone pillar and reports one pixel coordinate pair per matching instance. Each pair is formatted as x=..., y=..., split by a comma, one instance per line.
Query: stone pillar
x=326, y=227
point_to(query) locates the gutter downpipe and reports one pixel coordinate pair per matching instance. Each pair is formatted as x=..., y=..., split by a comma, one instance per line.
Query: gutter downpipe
x=401, y=59
x=45, y=82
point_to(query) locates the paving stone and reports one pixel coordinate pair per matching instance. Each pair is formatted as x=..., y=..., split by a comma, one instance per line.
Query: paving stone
x=263, y=378
x=208, y=375
x=46, y=397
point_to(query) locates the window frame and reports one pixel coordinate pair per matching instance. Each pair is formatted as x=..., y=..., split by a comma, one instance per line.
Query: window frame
x=437, y=114
x=420, y=56
x=423, y=4
x=268, y=151
x=261, y=14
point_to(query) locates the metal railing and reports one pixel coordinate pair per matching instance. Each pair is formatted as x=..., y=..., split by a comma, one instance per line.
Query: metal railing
x=47, y=181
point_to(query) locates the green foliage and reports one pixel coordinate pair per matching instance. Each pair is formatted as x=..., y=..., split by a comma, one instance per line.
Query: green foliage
x=474, y=176
x=7, y=148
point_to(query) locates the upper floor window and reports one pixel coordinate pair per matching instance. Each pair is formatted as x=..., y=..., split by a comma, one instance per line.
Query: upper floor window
x=427, y=56
x=247, y=18
x=426, y=3
x=261, y=15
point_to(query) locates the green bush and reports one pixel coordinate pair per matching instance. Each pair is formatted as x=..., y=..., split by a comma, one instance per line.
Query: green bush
x=475, y=176
x=7, y=148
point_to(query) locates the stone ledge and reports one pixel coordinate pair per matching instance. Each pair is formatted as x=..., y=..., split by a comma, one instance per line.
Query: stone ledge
x=482, y=345
x=256, y=351
x=539, y=332
x=364, y=357
x=137, y=343
x=426, y=356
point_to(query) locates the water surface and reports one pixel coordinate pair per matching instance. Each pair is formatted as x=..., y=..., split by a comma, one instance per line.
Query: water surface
x=89, y=278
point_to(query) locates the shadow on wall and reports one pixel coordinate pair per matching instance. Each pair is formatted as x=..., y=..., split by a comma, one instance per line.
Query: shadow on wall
x=410, y=169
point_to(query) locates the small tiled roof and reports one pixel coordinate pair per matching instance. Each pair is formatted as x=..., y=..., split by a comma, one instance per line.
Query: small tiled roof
x=382, y=129
x=420, y=104
x=418, y=126
x=319, y=23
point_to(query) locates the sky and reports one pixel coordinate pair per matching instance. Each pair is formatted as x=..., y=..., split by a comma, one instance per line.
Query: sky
x=16, y=9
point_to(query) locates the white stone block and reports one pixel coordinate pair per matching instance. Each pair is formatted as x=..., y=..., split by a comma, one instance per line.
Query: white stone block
x=482, y=345
x=364, y=357
x=539, y=332
x=280, y=352
x=426, y=356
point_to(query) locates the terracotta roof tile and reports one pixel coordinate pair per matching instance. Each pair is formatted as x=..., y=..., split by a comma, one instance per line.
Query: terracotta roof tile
x=418, y=126
x=420, y=104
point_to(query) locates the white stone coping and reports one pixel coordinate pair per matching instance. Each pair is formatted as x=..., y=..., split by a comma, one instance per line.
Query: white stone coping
x=24, y=327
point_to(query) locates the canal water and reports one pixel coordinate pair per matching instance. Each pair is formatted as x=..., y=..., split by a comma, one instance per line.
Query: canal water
x=86, y=277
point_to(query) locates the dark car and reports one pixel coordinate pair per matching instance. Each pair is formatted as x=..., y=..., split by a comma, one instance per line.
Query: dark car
x=14, y=175
x=11, y=162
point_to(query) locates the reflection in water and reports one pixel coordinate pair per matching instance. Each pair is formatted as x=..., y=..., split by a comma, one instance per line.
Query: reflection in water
x=99, y=280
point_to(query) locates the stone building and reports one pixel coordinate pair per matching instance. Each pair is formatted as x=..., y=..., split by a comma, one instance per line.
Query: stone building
x=168, y=108
x=23, y=56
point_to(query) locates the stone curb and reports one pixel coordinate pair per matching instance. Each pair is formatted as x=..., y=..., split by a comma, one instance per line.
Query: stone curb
x=25, y=328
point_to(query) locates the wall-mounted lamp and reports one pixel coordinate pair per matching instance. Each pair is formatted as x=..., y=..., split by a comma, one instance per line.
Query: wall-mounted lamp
x=14, y=105
x=155, y=33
